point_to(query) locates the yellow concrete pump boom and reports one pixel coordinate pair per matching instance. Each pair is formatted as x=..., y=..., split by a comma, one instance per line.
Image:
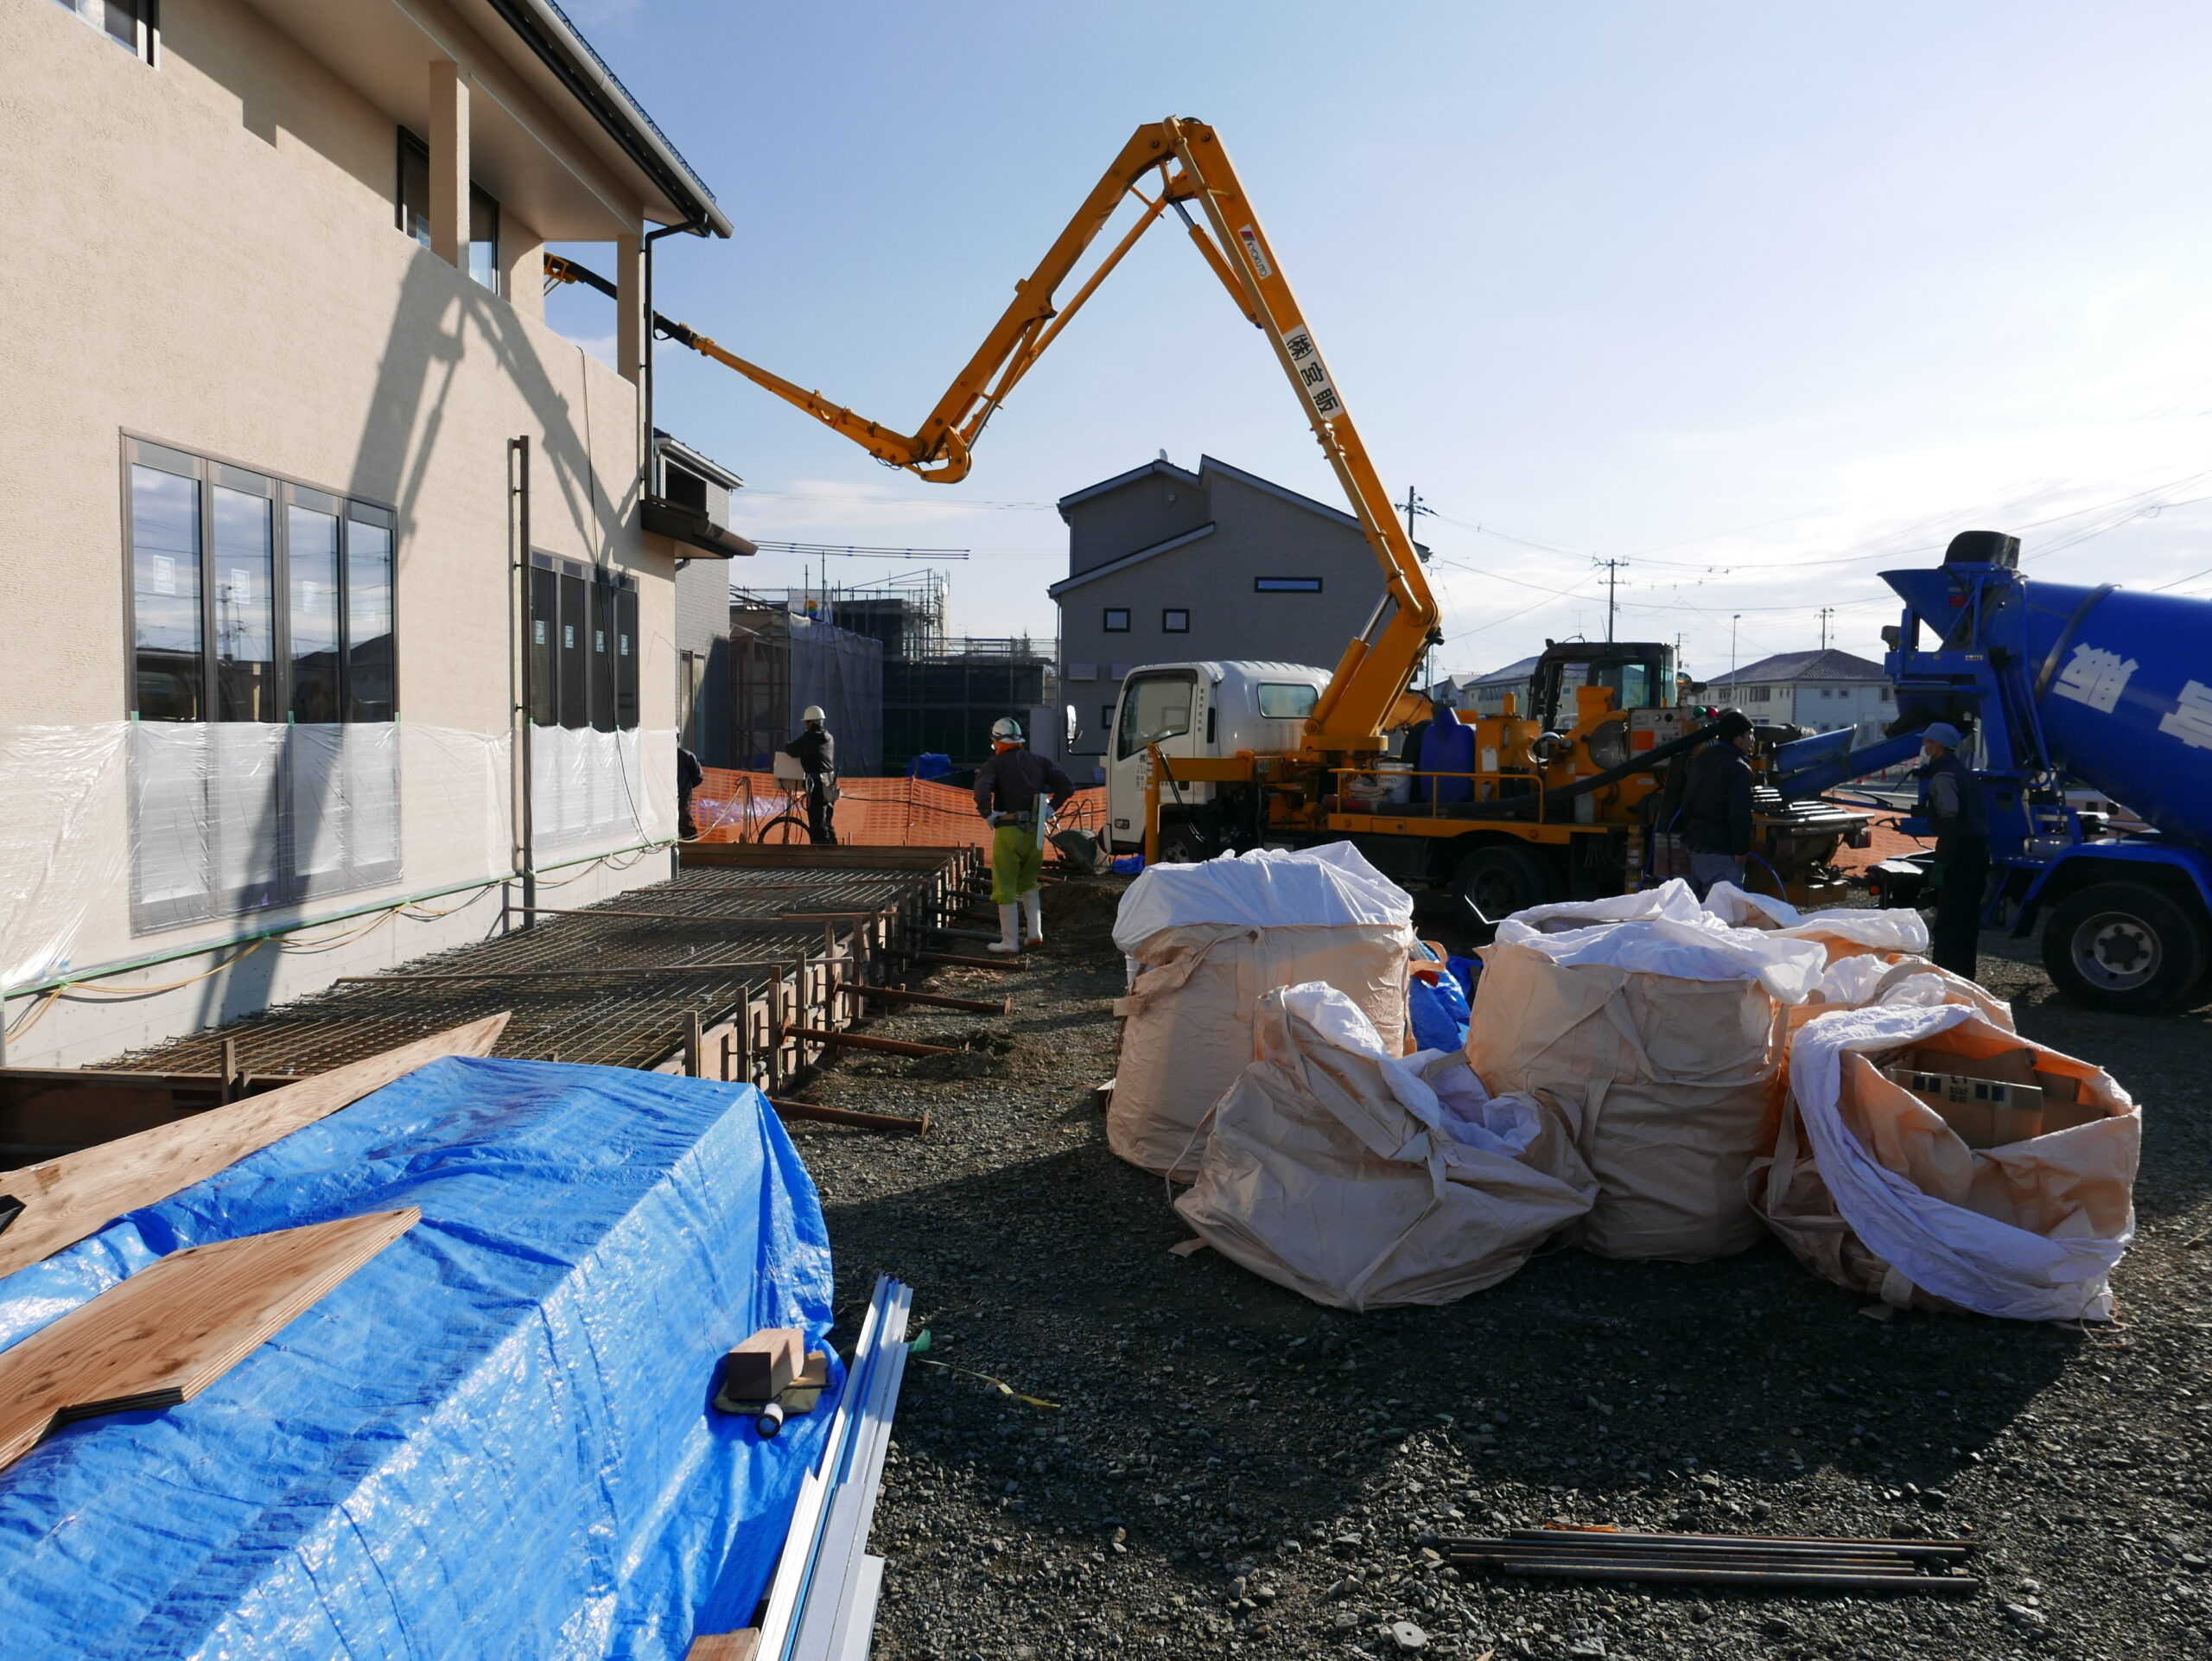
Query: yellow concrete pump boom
x=1370, y=693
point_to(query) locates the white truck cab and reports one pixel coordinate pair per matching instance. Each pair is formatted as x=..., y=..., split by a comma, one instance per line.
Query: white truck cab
x=1198, y=709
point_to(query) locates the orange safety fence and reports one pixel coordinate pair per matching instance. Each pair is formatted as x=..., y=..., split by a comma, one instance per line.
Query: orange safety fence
x=734, y=806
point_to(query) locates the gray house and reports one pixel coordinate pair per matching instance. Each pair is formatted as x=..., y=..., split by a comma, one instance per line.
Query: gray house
x=1166, y=566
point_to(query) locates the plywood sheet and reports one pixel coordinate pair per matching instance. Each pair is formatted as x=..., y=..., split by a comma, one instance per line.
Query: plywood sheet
x=176, y=1326
x=725, y=1646
x=66, y=1198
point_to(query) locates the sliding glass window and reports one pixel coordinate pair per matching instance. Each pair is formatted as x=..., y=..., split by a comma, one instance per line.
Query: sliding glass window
x=371, y=689
x=583, y=645
x=311, y=541
x=245, y=599
x=262, y=689
x=168, y=677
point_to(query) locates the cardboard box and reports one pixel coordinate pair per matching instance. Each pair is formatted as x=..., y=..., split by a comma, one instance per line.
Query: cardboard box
x=1985, y=1112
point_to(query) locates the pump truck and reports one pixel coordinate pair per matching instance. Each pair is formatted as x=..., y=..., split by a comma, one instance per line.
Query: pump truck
x=2059, y=681
x=1554, y=803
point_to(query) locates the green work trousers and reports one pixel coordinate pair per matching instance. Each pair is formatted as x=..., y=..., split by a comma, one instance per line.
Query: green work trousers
x=1017, y=862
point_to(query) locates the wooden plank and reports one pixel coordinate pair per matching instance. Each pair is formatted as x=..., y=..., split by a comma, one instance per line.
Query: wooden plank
x=725, y=1646
x=66, y=1198
x=176, y=1326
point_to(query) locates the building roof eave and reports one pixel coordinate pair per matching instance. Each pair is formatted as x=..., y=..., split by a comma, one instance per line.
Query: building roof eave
x=1127, y=560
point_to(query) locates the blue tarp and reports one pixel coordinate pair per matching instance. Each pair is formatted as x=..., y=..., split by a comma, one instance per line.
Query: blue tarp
x=495, y=1439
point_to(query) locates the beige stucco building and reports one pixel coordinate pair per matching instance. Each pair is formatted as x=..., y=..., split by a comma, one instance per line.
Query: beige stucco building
x=271, y=540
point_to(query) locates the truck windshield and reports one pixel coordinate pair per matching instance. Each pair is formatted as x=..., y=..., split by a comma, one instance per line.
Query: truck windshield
x=1152, y=709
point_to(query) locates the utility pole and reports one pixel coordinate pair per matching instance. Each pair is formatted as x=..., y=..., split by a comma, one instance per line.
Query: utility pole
x=1612, y=568
x=1413, y=508
x=1827, y=611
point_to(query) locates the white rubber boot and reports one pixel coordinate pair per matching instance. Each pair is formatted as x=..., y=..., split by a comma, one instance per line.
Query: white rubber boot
x=1033, y=905
x=1010, y=940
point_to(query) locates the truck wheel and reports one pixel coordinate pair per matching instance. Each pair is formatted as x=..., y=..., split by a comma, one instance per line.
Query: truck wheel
x=1497, y=882
x=2122, y=946
x=1181, y=844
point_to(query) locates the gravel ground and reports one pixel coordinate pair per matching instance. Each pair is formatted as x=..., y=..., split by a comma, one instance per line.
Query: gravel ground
x=1228, y=1469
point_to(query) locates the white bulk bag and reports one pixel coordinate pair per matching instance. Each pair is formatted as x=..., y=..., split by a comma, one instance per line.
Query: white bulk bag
x=1843, y=932
x=1206, y=942
x=1886, y=1199
x=1660, y=1035
x=1364, y=1180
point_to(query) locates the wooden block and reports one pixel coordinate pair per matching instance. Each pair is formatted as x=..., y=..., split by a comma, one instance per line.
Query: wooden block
x=725, y=1646
x=761, y=1367
x=176, y=1326
x=69, y=1197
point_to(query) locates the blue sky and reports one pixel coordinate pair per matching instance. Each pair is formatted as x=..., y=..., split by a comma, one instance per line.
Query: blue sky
x=1762, y=299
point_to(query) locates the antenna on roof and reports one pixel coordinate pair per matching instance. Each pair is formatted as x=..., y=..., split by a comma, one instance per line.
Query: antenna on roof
x=1163, y=455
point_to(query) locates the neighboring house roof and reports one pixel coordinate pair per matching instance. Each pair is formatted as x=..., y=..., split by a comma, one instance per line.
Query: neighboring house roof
x=1208, y=464
x=1505, y=677
x=1127, y=560
x=561, y=47
x=1831, y=664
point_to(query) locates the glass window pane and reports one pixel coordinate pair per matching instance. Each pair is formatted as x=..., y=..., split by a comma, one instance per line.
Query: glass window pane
x=1287, y=700
x=414, y=188
x=122, y=20
x=602, y=659
x=1153, y=709
x=245, y=609
x=483, y=239
x=625, y=658
x=311, y=544
x=575, y=649
x=165, y=594
x=545, y=658
x=369, y=691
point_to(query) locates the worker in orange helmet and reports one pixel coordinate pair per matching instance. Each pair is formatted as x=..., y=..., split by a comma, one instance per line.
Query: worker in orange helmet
x=1007, y=789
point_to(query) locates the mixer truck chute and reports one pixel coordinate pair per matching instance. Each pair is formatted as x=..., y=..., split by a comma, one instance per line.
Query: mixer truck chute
x=2059, y=682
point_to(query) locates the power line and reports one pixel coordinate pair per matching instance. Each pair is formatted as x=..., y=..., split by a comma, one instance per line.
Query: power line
x=813, y=549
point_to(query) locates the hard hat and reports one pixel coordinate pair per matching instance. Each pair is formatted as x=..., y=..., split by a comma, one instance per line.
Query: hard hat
x=812, y=712
x=1943, y=733
x=1006, y=730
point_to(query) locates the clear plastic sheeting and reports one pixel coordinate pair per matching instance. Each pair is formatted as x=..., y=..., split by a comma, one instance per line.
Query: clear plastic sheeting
x=590, y=788
x=494, y=1438
x=118, y=831
x=1844, y=933
x=59, y=855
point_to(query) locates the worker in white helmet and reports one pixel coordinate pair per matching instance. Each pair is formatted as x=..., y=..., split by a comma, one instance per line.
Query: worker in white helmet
x=816, y=750
x=1008, y=787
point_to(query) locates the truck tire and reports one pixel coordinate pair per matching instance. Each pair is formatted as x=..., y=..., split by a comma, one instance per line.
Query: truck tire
x=1500, y=880
x=2123, y=946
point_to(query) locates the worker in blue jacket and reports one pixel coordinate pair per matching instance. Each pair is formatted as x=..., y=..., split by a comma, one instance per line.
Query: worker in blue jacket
x=1950, y=800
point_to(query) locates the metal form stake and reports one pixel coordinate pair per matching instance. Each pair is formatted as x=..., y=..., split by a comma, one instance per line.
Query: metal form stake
x=694, y=1044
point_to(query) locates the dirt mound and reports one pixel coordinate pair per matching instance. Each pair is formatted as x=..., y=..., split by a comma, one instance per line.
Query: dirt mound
x=1083, y=907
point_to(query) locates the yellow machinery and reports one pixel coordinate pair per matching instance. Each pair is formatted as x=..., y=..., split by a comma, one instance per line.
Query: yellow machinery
x=1536, y=813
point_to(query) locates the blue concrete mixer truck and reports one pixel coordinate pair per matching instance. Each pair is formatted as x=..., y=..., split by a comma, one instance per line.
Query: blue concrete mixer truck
x=2103, y=685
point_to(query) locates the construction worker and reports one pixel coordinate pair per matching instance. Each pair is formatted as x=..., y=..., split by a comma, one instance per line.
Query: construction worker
x=1950, y=800
x=1007, y=791
x=1717, y=804
x=816, y=750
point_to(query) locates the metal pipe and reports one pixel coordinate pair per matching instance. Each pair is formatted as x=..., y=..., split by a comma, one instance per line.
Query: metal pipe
x=860, y=1041
x=526, y=819
x=1841, y=1580
x=935, y=1000
x=640, y=970
x=946, y=959
x=847, y=1116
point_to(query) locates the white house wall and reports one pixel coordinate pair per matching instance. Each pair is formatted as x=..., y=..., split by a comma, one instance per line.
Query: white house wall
x=203, y=254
